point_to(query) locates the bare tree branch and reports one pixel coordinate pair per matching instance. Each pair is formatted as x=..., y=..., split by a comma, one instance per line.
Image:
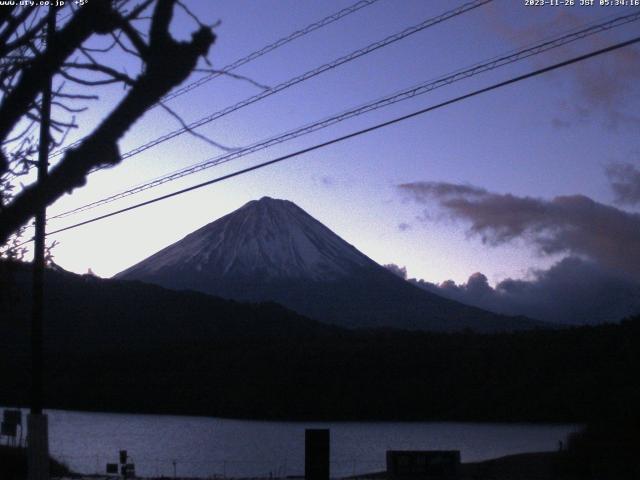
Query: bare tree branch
x=76, y=96
x=135, y=13
x=116, y=75
x=190, y=13
x=191, y=131
x=95, y=17
x=20, y=134
x=13, y=23
x=24, y=39
x=87, y=83
x=135, y=39
x=235, y=76
x=69, y=109
x=167, y=64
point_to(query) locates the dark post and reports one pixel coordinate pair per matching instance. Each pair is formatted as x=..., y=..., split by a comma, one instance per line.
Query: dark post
x=38, y=438
x=316, y=454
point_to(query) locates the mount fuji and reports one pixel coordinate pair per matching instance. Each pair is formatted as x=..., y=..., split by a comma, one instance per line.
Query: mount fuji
x=272, y=250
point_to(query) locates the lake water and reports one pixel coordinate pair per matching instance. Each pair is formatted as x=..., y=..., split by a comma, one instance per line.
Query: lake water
x=208, y=447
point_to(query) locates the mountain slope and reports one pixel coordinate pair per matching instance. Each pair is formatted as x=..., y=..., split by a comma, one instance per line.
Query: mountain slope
x=273, y=239
x=272, y=250
x=88, y=313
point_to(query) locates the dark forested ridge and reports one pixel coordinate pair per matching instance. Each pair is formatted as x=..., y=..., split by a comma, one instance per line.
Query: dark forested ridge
x=126, y=346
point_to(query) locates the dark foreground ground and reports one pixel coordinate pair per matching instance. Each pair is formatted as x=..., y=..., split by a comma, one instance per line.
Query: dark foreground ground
x=13, y=464
x=543, y=466
x=605, y=451
x=526, y=466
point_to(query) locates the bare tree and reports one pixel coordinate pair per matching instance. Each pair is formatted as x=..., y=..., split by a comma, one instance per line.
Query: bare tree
x=138, y=30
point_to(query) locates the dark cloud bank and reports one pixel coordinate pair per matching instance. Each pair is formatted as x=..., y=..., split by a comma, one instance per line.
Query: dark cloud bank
x=598, y=279
x=625, y=182
x=589, y=84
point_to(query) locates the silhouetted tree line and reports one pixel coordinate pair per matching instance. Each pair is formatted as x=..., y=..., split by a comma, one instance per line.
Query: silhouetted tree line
x=127, y=346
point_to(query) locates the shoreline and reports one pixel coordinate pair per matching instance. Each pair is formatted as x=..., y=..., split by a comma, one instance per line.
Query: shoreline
x=577, y=424
x=523, y=466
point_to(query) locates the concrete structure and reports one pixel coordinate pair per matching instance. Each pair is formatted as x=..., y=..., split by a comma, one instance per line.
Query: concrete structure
x=425, y=464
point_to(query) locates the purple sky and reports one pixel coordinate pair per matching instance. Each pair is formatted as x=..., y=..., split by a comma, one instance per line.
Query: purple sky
x=546, y=137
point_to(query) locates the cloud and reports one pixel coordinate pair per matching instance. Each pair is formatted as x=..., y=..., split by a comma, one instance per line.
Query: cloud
x=573, y=291
x=397, y=270
x=598, y=280
x=575, y=225
x=404, y=226
x=595, y=83
x=625, y=183
x=333, y=182
x=327, y=181
x=594, y=86
x=558, y=123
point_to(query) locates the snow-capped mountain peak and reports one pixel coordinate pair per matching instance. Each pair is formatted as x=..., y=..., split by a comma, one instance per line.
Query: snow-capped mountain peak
x=269, y=238
x=272, y=250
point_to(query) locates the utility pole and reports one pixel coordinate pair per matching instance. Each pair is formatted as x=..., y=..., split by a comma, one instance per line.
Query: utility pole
x=38, y=435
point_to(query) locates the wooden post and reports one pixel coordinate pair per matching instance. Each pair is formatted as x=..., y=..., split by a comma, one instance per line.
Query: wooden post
x=316, y=454
x=37, y=434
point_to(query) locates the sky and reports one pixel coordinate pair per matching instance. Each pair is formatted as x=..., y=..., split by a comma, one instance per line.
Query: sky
x=507, y=185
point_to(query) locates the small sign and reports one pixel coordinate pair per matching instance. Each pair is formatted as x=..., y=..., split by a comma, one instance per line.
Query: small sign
x=123, y=457
x=112, y=468
x=128, y=470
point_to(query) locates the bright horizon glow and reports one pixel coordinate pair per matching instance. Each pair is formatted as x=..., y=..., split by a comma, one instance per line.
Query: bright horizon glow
x=540, y=138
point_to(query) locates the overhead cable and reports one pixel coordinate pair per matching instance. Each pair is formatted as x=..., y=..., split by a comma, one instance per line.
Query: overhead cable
x=248, y=58
x=354, y=134
x=402, y=95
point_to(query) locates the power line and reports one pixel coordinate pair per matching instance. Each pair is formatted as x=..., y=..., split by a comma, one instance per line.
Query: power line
x=252, y=56
x=357, y=133
x=309, y=74
x=406, y=94
x=278, y=43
